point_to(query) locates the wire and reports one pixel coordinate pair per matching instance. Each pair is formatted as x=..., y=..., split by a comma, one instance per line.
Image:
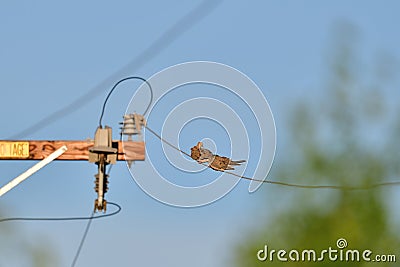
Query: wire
x=65, y=218
x=89, y=223
x=115, y=86
x=181, y=26
x=165, y=141
x=78, y=251
x=336, y=187
x=90, y=220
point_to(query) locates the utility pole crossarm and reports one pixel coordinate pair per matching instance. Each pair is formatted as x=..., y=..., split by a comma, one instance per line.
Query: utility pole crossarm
x=77, y=149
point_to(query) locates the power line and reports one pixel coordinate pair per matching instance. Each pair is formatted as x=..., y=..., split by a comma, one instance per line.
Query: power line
x=85, y=233
x=64, y=218
x=161, y=43
x=90, y=220
x=165, y=141
x=336, y=187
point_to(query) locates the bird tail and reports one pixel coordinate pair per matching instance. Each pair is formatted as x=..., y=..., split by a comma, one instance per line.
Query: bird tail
x=236, y=162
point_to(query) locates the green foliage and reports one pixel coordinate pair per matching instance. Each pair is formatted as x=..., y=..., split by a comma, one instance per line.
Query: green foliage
x=333, y=148
x=15, y=247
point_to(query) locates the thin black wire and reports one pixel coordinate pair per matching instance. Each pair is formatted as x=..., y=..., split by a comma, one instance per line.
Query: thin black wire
x=115, y=86
x=336, y=187
x=90, y=220
x=165, y=141
x=85, y=233
x=89, y=223
x=65, y=218
x=181, y=26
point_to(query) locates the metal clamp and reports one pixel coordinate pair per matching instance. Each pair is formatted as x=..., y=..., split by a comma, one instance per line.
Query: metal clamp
x=102, y=154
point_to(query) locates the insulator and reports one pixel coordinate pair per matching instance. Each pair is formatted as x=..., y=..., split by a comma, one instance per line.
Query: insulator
x=106, y=184
x=128, y=126
x=97, y=183
x=132, y=124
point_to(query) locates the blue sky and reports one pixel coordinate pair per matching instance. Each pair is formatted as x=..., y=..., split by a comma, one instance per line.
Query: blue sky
x=51, y=53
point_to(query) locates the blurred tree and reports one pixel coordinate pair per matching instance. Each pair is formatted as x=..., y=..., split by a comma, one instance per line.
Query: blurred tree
x=341, y=139
x=18, y=250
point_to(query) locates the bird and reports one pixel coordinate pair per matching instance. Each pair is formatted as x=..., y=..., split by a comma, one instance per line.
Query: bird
x=215, y=162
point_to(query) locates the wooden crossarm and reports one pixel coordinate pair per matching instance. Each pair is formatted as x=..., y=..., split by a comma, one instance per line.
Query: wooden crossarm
x=77, y=149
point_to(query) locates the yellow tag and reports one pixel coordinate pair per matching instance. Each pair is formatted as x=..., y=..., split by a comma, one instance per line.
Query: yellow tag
x=14, y=149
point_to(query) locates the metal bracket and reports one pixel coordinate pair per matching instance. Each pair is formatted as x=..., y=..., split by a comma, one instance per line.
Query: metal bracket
x=102, y=154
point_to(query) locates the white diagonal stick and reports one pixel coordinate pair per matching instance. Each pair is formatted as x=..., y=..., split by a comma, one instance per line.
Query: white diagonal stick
x=13, y=183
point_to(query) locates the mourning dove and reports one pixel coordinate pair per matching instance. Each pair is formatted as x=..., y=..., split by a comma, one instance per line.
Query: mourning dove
x=218, y=163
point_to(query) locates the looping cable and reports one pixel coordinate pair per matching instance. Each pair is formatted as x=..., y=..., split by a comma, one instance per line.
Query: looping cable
x=90, y=219
x=115, y=86
x=119, y=208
